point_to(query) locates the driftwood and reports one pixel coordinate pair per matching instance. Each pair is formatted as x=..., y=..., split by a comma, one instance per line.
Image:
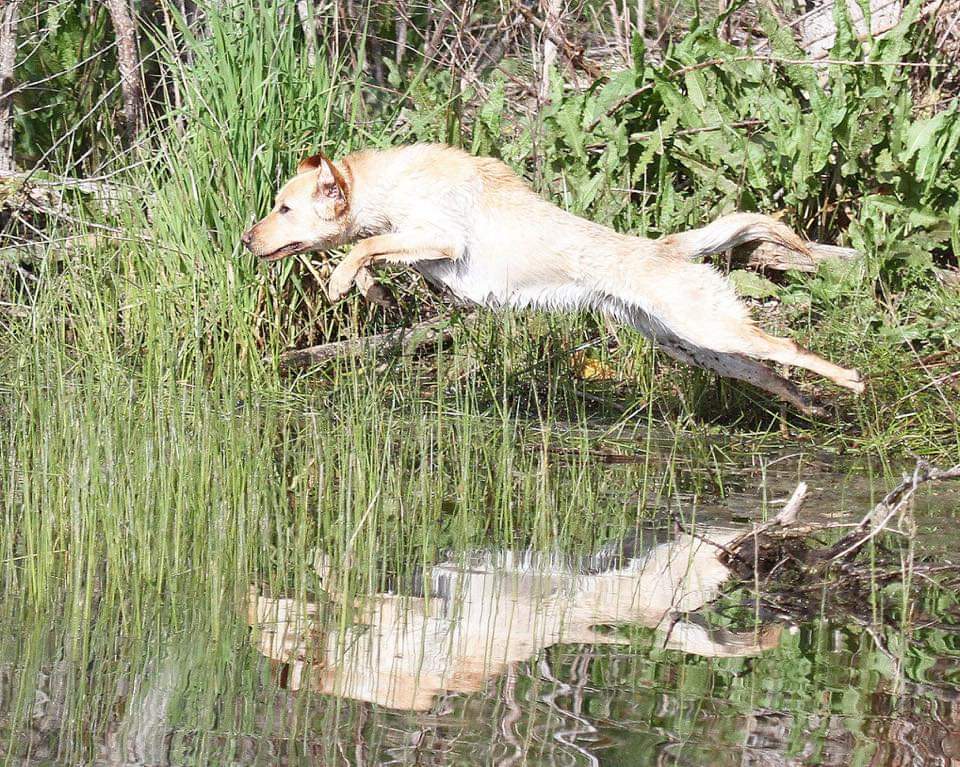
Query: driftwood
x=407, y=340
x=779, y=258
x=783, y=545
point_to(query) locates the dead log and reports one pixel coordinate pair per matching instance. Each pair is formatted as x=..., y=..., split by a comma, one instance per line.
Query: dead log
x=779, y=258
x=434, y=331
x=773, y=257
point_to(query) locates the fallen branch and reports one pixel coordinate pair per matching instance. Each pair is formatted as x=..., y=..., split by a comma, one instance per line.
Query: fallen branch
x=407, y=339
x=893, y=504
x=767, y=542
x=771, y=256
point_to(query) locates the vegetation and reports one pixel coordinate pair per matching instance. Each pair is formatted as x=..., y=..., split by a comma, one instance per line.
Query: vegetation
x=155, y=460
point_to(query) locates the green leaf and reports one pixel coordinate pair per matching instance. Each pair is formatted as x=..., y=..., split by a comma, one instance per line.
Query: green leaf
x=752, y=285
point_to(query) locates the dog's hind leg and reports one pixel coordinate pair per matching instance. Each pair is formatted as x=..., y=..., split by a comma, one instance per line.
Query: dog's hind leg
x=739, y=367
x=727, y=364
x=788, y=352
x=691, y=306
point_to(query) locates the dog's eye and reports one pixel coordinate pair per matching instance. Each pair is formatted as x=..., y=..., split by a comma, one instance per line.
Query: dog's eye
x=284, y=209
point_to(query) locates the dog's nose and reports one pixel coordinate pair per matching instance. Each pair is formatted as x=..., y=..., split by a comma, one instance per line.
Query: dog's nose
x=247, y=237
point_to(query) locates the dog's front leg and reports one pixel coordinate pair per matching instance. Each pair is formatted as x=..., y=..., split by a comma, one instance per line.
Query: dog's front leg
x=385, y=248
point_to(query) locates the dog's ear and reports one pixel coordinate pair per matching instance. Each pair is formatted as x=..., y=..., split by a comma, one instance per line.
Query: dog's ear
x=330, y=182
x=310, y=163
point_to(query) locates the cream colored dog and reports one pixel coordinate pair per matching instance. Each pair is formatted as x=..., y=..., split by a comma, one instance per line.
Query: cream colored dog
x=471, y=225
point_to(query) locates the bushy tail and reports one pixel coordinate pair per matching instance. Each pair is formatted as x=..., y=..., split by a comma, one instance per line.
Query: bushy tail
x=728, y=232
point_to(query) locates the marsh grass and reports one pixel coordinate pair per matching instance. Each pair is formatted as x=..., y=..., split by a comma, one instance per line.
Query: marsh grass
x=154, y=463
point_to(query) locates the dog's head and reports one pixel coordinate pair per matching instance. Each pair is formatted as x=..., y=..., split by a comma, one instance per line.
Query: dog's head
x=310, y=213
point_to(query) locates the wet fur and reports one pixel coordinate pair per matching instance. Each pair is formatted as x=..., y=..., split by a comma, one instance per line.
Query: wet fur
x=470, y=224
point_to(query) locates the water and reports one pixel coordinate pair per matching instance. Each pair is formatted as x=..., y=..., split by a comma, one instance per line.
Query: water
x=524, y=633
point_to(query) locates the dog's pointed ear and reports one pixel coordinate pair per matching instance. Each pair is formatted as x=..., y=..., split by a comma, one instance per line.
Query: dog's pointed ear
x=330, y=182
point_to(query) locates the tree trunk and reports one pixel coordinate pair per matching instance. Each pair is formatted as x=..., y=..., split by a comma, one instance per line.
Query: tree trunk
x=551, y=33
x=128, y=62
x=401, y=36
x=308, y=20
x=9, y=16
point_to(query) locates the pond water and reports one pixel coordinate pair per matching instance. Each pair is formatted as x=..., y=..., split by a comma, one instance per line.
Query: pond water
x=272, y=634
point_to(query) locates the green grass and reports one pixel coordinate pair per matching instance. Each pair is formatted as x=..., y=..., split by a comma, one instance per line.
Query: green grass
x=154, y=462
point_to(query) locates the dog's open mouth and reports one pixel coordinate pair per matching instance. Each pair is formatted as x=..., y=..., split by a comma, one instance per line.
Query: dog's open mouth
x=286, y=250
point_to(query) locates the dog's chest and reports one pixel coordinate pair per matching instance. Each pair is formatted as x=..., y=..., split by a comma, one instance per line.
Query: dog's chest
x=497, y=283
x=484, y=284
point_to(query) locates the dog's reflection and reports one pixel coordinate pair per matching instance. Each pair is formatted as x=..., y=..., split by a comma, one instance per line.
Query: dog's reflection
x=493, y=609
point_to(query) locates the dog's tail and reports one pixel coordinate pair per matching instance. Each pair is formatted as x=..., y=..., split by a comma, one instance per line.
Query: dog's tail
x=728, y=232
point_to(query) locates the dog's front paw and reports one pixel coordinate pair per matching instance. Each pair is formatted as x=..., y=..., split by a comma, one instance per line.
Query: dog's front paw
x=340, y=282
x=373, y=291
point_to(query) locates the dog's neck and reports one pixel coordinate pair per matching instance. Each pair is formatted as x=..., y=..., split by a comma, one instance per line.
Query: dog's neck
x=369, y=196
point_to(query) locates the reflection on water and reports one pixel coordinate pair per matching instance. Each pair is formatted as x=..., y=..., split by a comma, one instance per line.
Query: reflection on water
x=493, y=657
x=487, y=611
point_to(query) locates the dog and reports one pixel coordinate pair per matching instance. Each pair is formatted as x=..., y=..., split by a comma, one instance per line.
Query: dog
x=482, y=612
x=471, y=225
